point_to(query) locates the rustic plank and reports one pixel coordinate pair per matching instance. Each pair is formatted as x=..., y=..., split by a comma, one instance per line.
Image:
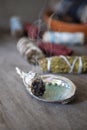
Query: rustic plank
x=19, y=111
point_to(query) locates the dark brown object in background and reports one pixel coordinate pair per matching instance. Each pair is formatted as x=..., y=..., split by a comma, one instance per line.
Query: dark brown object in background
x=31, y=30
x=58, y=25
x=54, y=49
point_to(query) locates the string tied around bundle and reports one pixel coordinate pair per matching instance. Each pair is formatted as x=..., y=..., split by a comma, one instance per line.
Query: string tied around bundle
x=68, y=63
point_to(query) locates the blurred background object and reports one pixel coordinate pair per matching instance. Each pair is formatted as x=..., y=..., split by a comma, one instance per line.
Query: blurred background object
x=75, y=9
x=18, y=111
x=22, y=8
x=62, y=25
x=64, y=38
x=29, y=50
x=16, y=26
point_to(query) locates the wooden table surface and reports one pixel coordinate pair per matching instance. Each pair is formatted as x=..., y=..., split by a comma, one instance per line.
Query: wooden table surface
x=19, y=111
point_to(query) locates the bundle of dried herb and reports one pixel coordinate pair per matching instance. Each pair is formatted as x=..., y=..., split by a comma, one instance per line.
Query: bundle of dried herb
x=64, y=64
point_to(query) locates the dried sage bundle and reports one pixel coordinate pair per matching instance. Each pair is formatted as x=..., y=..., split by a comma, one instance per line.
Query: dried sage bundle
x=64, y=64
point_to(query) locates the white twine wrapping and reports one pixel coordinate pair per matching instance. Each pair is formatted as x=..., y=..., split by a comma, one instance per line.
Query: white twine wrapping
x=80, y=65
x=73, y=64
x=48, y=64
x=68, y=63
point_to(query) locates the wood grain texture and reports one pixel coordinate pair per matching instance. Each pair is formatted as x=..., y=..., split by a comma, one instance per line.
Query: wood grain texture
x=19, y=111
